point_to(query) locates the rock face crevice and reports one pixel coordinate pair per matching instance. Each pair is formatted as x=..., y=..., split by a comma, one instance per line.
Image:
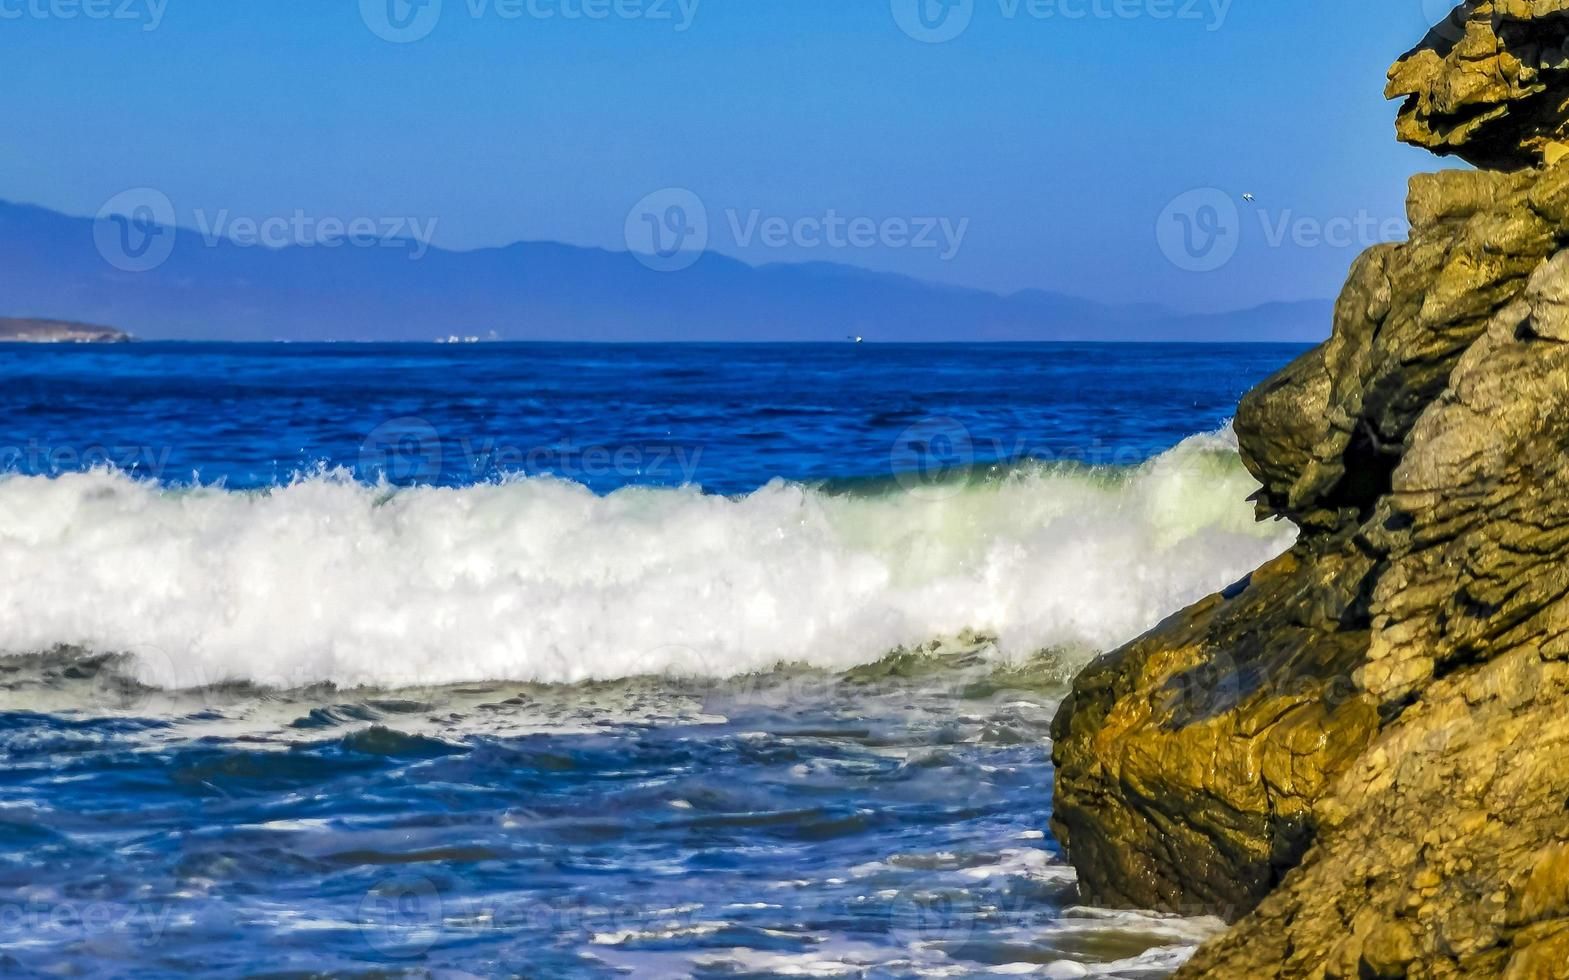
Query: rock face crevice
x=1188, y=761
x=1358, y=753
x=1304, y=657
x=1443, y=849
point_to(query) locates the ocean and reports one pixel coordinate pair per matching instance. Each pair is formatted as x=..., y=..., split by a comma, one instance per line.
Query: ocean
x=580, y=660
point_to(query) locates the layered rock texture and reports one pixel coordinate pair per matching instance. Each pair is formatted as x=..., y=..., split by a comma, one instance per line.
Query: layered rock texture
x=1488, y=84
x=1360, y=754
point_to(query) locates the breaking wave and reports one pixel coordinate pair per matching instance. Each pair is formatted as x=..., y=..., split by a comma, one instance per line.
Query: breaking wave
x=539, y=579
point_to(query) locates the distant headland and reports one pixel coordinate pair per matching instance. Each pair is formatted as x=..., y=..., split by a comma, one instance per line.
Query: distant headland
x=25, y=331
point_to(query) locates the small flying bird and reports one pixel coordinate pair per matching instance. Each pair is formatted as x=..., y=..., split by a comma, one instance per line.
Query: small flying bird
x=1248, y=198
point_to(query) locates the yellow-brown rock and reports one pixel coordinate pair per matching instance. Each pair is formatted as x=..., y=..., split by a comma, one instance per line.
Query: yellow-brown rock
x=1189, y=762
x=1487, y=84
x=1452, y=826
x=1361, y=752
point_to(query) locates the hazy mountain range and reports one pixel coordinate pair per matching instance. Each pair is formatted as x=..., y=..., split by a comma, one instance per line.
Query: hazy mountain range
x=53, y=265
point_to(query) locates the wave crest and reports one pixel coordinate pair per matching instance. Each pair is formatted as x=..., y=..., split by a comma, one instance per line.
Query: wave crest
x=539, y=579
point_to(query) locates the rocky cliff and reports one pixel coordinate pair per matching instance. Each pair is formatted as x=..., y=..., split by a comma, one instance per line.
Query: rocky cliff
x=1488, y=84
x=1358, y=752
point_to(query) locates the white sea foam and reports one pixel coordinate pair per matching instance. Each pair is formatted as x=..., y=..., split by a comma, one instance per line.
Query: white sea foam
x=542, y=580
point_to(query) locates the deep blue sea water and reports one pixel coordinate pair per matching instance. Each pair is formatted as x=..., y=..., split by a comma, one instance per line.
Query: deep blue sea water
x=730, y=417
x=560, y=661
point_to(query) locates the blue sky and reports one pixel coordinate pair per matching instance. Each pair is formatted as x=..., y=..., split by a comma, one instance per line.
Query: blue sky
x=1048, y=137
